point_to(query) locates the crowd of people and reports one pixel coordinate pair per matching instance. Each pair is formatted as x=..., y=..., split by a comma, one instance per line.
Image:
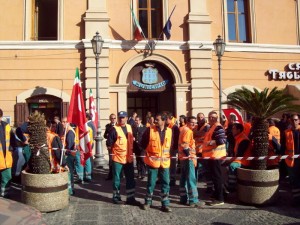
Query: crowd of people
x=161, y=148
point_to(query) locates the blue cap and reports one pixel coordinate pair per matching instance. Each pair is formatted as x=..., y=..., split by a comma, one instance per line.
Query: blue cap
x=122, y=114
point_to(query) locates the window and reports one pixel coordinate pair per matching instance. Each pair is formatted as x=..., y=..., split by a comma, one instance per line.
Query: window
x=45, y=20
x=150, y=18
x=238, y=20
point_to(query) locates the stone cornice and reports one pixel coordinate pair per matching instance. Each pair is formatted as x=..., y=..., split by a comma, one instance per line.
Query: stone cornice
x=143, y=45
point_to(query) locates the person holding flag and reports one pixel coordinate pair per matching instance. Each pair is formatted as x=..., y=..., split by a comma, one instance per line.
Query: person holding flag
x=77, y=117
x=69, y=147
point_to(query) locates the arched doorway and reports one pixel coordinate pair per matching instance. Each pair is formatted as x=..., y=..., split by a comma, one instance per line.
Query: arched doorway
x=49, y=105
x=150, y=89
x=50, y=101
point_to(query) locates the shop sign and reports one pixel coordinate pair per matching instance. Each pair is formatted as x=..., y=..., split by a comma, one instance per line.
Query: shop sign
x=293, y=73
x=149, y=79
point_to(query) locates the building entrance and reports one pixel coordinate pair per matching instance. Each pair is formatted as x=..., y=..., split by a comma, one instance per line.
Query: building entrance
x=49, y=105
x=150, y=89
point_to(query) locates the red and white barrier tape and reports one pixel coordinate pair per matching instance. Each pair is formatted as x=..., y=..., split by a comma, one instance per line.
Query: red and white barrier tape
x=280, y=157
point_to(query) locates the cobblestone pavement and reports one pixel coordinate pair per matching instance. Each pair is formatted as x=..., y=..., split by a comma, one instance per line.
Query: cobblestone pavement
x=92, y=205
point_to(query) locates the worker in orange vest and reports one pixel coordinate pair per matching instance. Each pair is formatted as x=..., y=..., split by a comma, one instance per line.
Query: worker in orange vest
x=157, y=141
x=199, y=132
x=69, y=144
x=214, y=146
x=55, y=149
x=242, y=148
x=274, y=144
x=120, y=143
x=6, y=159
x=188, y=162
x=247, y=126
x=291, y=147
x=175, y=135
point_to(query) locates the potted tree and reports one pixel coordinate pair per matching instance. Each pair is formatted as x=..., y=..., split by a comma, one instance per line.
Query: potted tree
x=42, y=189
x=259, y=185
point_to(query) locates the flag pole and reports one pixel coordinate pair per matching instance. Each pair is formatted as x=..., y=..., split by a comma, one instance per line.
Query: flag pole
x=163, y=28
x=63, y=148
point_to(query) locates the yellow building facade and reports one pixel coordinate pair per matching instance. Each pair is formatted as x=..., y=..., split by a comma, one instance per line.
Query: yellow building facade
x=40, y=50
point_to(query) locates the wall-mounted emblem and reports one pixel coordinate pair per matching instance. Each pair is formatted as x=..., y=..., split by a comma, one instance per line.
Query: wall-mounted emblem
x=149, y=79
x=150, y=75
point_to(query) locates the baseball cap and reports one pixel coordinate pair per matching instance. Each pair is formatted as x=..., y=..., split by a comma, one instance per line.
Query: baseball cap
x=122, y=114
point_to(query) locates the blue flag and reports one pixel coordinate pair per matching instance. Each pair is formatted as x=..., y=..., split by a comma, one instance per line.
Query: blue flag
x=168, y=25
x=167, y=29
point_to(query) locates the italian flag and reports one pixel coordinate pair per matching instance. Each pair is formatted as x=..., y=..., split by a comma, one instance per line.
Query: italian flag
x=137, y=32
x=76, y=115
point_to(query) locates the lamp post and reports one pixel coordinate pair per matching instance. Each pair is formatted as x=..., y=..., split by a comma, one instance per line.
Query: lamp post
x=97, y=44
x=219, y=46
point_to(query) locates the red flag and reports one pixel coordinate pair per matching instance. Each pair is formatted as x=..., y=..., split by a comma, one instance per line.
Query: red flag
x=228, y=112
x=137, y=32
x=93, y=110
x=76, y=116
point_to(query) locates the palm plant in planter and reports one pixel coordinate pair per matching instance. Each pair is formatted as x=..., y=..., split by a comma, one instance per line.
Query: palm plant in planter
x=42, y=189
x=39, y=162
x=261, y=105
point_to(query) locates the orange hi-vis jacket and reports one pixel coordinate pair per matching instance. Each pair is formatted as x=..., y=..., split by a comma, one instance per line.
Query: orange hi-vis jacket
x=199, y=137
x=186, y=140
x=289, y=147
x=7, y=160
x=247, y=128
x=171, y=124
x=209, y=150
x=122, y=149
x=238, y=139
x=53, y=161
x=273, y=132
x=157, y=154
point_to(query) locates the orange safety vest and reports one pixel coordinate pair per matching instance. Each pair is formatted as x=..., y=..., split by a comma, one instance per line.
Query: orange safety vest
x=158, y=155
x=238, y=139
x=247, y=128
x=210, y=150
x=199, y=137
x=273, y=131
x=6, y=162
x=186, y=140
x=171, y=125
x=290, y=148
x=54, y=164
x=122, y=149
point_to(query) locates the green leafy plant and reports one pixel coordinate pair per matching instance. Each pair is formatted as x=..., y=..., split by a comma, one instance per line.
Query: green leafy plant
x=261, y=105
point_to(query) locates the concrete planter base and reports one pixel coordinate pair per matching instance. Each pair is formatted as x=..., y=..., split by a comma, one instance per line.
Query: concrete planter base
x=45, y=192
x=257, y=187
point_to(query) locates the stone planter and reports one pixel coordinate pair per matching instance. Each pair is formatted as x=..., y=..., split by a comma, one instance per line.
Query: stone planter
x=45, y=192
x=257, y=187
